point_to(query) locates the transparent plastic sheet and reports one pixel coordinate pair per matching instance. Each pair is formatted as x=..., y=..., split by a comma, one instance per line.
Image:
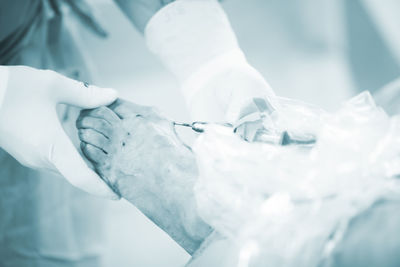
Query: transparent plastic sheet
x=290, y=205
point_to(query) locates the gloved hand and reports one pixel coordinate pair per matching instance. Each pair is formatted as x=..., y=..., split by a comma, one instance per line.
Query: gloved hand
x=31, y=132
x=196, y=43
x=256, y=120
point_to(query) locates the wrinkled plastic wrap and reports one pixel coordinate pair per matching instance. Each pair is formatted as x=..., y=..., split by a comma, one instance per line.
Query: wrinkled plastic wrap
x=290, y=205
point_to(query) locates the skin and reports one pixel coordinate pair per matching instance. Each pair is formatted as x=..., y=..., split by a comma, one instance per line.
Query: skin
x=136, y=151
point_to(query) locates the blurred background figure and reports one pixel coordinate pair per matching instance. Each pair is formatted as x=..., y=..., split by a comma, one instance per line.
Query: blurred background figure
x=319, y=51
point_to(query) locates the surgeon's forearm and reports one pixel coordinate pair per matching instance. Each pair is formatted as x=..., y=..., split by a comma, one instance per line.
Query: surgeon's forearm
x=172, y=205
x=3, y=82
x=196, y=42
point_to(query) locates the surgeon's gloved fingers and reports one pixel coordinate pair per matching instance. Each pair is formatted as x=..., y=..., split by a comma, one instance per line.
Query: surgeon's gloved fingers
x=69, y=163
x=78, y=94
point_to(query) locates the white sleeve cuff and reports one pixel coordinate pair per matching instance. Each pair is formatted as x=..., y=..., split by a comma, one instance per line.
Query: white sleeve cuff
x=3, y=82
x=186, y=34
x=195, y=41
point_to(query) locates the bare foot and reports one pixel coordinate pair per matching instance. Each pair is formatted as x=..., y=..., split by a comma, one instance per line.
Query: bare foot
x=136, y=151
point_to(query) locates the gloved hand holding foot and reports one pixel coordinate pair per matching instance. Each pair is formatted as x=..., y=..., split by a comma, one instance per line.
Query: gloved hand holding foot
x=136, y=151
x=29, y=127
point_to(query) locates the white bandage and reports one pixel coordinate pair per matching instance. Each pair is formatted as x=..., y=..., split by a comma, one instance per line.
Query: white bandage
x=194, y=39
x=3, y=82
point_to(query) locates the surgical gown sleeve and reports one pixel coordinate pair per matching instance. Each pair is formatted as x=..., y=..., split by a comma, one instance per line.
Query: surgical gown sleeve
x=195, y=41
x=3, y=82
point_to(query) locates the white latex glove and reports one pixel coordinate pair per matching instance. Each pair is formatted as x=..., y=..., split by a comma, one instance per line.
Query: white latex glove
x=195, y=41
x=31, y=132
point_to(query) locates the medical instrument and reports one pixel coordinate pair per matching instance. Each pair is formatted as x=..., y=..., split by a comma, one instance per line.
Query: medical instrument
x=283, y=138
x=198, y=126
x=266, y=110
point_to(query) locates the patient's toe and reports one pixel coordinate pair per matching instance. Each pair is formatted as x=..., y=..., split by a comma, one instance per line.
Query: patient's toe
x=125, y=109
x=102, y=113
x=97, y=124
x=94, y=138
x=93, y=153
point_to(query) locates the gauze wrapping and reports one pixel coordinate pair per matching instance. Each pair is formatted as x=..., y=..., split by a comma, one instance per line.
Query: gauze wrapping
x=194, y=39
x=3, y=82
x=292, y=204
